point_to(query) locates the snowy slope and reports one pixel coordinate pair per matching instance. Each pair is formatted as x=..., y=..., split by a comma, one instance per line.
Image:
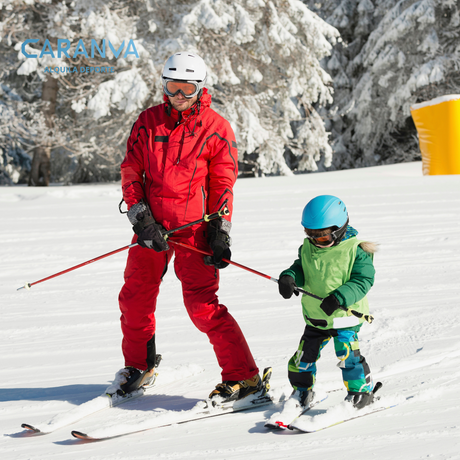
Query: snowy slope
x=60, y=341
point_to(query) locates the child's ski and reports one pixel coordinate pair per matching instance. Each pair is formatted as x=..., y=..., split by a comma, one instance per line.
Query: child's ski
x=291, y=412
x=312, y=427
x=338, y=414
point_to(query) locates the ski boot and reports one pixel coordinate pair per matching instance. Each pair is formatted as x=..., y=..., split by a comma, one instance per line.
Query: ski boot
x=303, y=397
x=234, y=390
x=131, y=379
x=360, y=400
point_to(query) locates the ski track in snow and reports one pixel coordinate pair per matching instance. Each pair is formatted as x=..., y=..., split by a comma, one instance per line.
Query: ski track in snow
x=60, y=341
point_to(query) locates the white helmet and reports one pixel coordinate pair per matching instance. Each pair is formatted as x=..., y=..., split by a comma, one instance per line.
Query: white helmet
x=187, y=68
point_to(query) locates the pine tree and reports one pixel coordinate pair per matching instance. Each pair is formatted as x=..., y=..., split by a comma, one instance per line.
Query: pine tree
x=264, y=76
x=394, y=54
x=82, y=149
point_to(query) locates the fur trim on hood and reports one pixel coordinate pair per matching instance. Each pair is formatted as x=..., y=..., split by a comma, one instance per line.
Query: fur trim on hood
x=369, y=247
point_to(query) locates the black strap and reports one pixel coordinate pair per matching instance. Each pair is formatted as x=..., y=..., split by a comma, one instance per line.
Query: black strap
x=119, y=207
x=141, y=224
x=317, y=322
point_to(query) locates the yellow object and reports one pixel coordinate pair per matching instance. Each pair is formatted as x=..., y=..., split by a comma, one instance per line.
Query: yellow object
x=438, y=125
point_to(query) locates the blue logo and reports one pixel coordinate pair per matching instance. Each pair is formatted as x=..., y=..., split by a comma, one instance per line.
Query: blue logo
x=64, y=50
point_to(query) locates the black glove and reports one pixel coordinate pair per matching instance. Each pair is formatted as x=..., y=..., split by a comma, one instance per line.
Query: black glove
x=149, y=233
x=219, y=242
x=286, y=286
x=330, y=304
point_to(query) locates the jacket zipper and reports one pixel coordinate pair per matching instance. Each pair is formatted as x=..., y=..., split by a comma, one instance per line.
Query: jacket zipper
x=178, y=123
x=204, y=200
x=180, y=146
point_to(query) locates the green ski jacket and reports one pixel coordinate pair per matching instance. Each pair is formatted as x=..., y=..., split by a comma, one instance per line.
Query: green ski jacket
x=345, y=270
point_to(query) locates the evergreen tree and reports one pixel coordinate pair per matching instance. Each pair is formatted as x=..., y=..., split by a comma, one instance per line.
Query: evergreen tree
x=264, y=76
x=394, y=54
x=81, y=150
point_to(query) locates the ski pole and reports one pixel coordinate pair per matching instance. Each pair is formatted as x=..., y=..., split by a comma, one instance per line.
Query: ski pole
x=206, y=253
x=223, y=211
x=368, y=318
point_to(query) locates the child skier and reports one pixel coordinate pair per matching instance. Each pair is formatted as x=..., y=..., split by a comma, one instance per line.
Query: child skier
x=337, y=267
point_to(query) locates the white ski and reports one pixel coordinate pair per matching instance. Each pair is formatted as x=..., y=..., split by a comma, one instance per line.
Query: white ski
x=334, y=416
x=101, y=402
x=81, y=411
x=291, y=411
x=338, y=414
x=162, y=418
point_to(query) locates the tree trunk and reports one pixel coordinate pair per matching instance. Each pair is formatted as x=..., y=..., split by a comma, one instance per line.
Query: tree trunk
x=41, y=164
x=41, y=167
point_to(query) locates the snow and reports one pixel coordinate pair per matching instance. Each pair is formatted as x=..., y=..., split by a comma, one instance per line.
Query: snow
x=436, y=101
x=60, y=341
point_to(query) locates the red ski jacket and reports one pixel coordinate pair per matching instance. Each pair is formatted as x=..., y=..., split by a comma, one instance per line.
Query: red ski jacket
x=184, y=164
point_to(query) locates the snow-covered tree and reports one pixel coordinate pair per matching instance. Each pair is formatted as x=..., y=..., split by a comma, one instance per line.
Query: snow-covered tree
x=394, y=53
x=81, y=149
x=14, y=137
x=264, y=75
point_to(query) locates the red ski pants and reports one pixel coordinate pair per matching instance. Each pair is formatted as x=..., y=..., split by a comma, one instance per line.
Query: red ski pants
x=138, y=299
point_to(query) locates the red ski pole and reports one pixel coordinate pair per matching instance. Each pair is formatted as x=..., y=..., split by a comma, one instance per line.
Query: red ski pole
x=368, y=318
x=29, y=285
x=206, y=253
x=223, y=211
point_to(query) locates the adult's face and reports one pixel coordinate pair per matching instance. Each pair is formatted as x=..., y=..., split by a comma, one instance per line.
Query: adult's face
x=181, y=103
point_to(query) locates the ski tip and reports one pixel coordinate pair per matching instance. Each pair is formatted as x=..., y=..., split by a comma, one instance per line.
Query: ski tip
x=83, y=436
x=276, y=425
x=158, y=359
x=266, y=379
x=377, y=387
x=281, y=425
x=30, y=428
x=267, y=373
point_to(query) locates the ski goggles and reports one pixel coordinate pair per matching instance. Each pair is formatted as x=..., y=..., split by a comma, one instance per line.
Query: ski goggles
x=329, y=239
x=188, y=89
x=323, y=240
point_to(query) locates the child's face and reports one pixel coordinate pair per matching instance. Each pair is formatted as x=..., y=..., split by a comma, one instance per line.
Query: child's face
x=322, y=238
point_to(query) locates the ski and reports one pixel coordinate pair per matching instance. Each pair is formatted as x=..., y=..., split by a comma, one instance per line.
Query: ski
x=101, y=402
x=202, y=410
x=337, y=415
x=291, y=412
x=97, y=404
x=313, y=428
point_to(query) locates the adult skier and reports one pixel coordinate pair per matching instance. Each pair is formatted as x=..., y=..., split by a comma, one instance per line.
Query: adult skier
x=181, y=163
x=334, y=265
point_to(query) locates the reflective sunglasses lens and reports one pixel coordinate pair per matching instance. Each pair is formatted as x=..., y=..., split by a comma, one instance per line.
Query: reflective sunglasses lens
x=188, y=89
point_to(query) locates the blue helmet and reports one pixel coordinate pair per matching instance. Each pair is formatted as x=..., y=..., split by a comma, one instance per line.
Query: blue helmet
x=325, y=211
